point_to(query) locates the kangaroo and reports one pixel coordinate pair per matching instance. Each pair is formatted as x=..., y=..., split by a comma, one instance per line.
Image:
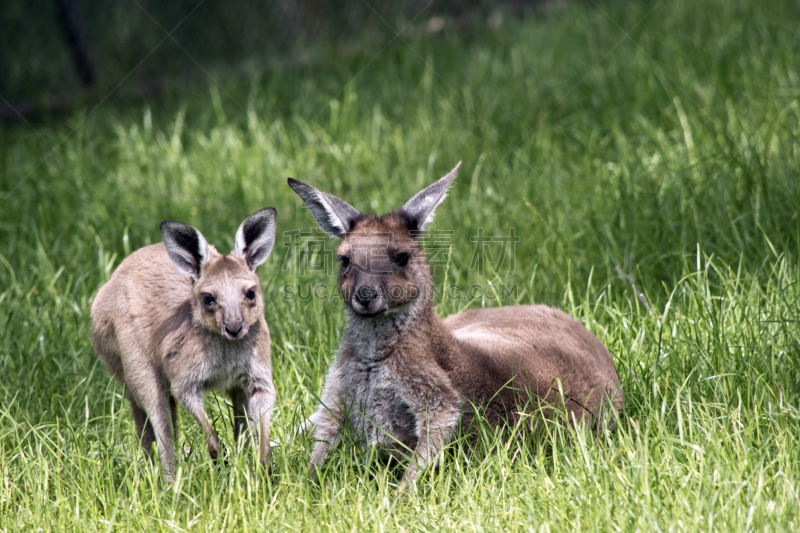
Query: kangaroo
x=178, y=318
x=403, y=378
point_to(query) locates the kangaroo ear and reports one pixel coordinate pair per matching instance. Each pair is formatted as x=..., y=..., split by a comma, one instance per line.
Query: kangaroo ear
x=333, y=215
x=186, y=247
x=256, y=237
x=419, y=210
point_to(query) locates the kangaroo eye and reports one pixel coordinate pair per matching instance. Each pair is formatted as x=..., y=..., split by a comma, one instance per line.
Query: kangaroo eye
x=250, y=294
x=208, y=299
x=401, y=259
x=345, y=260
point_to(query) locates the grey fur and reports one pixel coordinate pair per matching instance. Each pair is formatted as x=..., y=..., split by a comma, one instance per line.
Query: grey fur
x=153, y=328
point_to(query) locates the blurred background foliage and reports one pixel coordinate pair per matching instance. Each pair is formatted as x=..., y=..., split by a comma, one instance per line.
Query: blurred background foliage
x=55, y=53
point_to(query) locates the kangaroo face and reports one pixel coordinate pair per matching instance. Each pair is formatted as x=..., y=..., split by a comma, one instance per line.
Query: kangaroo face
x=228, y=297
x=382, y=266
x=227, y=292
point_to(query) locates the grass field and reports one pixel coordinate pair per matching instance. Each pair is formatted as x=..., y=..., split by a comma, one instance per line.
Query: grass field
x=660, y=136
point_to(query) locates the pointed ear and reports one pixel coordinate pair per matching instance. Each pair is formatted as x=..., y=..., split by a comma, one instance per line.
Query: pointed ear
x=256, y=237
x=186, y=247
x=333, y=215
x=419, y=210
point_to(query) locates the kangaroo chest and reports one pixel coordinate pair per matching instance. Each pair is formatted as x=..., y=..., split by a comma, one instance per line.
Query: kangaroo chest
x=375, y=408
x=227, y=373
x=222, y=368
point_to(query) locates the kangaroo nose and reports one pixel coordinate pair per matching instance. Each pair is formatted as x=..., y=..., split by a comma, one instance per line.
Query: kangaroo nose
x=365, y=294
x=234, y=330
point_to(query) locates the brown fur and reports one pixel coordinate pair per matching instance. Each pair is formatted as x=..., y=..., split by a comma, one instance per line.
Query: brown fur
x=537, y=355
x=404, y=377
x=158, y=336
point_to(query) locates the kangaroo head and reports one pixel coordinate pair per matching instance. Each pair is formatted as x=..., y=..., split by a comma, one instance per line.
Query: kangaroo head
x=383, y=268
x=227, y=294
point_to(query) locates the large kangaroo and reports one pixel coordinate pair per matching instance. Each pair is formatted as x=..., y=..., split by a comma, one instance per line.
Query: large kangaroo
x=178, y=318
x=403, y=377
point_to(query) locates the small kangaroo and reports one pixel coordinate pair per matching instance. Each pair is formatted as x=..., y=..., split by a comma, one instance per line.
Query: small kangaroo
x=402, y=374
x=172, y=333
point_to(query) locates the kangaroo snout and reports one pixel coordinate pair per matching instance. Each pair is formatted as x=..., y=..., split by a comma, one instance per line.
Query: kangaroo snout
x=367, y=301
x=234, y=330
x=365, y=295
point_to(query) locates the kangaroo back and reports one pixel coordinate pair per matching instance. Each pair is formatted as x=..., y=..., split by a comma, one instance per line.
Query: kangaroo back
x=541, y=350
x=146, y=291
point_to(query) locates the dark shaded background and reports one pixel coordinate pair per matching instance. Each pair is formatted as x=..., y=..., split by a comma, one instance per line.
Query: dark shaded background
x=55, y=54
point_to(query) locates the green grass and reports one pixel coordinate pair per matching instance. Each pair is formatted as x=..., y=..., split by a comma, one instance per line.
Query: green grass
x=672, y=153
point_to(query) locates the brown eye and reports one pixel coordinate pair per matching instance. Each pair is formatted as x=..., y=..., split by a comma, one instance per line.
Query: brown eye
x=208, y=299
x=344, y=260
x=402, y=259
x=250, y=294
